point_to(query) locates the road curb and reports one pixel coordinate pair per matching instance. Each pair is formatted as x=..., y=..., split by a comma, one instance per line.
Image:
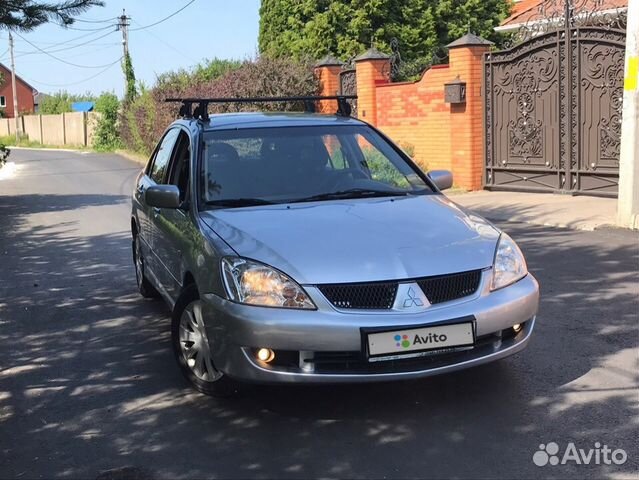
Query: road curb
x=49, y=149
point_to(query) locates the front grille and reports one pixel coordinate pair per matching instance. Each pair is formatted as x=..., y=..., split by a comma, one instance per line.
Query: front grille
x=381, y=295
x=445, y=288
x=365, y=296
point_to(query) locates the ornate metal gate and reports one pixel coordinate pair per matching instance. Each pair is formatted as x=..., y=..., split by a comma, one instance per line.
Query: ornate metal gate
x=348, y=84
x=553, y=102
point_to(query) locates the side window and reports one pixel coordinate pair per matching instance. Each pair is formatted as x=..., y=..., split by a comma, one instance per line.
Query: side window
x=379, y=165
x=180, y=165
x=163, y=155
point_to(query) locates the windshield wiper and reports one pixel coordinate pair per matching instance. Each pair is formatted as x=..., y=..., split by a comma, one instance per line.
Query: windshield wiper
x=353, y=193
x=238, y=202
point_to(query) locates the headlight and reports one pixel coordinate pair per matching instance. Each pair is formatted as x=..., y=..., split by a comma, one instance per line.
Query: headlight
x=509, y=265
x=254, y=283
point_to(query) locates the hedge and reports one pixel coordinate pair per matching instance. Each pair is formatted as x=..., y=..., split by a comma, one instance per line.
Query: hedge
x=144, y=119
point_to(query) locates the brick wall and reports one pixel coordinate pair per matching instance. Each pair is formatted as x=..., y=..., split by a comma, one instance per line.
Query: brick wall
x=414, y=114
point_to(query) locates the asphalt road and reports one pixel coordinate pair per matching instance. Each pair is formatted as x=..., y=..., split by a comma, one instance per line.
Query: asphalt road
x=88, y=383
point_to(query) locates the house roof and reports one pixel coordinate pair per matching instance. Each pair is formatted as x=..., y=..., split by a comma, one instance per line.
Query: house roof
x=531, y=10
x=20, y=79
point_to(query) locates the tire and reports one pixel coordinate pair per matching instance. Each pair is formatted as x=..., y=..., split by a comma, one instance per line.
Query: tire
x=192, y=348
x=144, y=285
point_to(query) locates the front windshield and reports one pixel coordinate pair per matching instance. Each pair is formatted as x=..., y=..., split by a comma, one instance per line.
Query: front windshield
x=296, y=164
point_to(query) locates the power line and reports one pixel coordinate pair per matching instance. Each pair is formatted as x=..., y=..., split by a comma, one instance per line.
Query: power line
x=59, y=59
x=71, y=39
x=112, y=19
x=94, y=48
x=67, y=84
x=100, y=49
x=161, y=40
x=164, y=19
x=87, y=29
x=33, y=52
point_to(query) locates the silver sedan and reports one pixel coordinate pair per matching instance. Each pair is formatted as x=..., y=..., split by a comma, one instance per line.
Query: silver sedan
x=310, y=248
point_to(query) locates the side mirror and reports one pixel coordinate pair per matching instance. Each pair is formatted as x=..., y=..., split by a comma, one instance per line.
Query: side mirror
x=443, y=179
x=162, y=196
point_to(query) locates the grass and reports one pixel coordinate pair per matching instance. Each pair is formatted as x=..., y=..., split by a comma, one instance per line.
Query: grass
x=10, y=141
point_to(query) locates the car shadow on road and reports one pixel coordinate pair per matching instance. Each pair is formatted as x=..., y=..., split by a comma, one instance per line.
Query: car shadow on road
x=88, y=382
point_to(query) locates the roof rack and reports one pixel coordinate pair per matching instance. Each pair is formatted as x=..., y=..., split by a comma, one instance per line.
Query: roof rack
x=202, y=104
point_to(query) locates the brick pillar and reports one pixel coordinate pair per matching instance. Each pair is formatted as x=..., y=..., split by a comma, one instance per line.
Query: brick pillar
x=467, y=130
x=327, y=71
x=371, y=68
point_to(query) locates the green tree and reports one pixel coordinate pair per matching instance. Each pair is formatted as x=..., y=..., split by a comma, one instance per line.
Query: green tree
x=25, y=15
x=456, y=17
x=207, y=70
x=130, y=92
x=60, y=102
x=106, y=137
x=345, y=28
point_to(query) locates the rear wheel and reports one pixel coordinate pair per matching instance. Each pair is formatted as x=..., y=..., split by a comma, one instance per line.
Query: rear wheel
x=193, y=348
x=144, y=285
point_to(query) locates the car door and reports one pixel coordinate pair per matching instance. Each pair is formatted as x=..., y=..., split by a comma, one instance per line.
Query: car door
x=157, y=173
x=174, y=228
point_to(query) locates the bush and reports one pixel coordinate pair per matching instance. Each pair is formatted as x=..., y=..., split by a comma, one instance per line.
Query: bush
x=140, y=123
x=60, y=102
x=106, y=137
x=144, y=119
x=4, y=153
x=203, y=72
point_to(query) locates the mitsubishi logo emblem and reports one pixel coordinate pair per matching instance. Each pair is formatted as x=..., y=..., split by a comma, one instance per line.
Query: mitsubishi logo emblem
x=412, y=300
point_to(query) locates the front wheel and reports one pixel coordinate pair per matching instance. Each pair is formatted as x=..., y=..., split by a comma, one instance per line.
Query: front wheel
x=193, y=349
x=144, y=285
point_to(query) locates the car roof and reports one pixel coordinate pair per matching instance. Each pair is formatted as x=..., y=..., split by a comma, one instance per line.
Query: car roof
x=228, y=121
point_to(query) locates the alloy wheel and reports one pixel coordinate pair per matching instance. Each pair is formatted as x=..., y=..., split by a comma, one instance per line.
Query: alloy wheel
x=194, y=344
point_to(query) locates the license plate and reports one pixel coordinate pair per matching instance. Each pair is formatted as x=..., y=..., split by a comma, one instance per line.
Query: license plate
x=421, y=339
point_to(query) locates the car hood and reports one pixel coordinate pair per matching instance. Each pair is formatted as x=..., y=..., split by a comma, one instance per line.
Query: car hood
x=359, y=240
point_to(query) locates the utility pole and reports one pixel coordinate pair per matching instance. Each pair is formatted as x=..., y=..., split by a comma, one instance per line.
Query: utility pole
x=628, y=203
x=123, y=26
x=14, y=89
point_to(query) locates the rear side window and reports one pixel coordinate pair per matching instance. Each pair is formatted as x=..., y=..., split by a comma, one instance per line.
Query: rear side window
x=163, y=155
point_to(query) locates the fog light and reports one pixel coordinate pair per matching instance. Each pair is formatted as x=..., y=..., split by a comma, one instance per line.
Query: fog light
x=266, y=355
x=517, y=327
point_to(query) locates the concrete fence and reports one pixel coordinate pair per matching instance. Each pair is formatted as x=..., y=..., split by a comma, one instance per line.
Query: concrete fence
x=73, y=129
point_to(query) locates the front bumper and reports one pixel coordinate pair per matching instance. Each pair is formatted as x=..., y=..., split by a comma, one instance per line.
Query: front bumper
x=334, y=337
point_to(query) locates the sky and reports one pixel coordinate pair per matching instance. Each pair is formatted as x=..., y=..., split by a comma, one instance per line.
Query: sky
x=204, y=29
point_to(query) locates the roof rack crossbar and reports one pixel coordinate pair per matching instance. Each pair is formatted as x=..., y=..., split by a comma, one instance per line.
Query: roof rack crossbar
x=201, y=110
